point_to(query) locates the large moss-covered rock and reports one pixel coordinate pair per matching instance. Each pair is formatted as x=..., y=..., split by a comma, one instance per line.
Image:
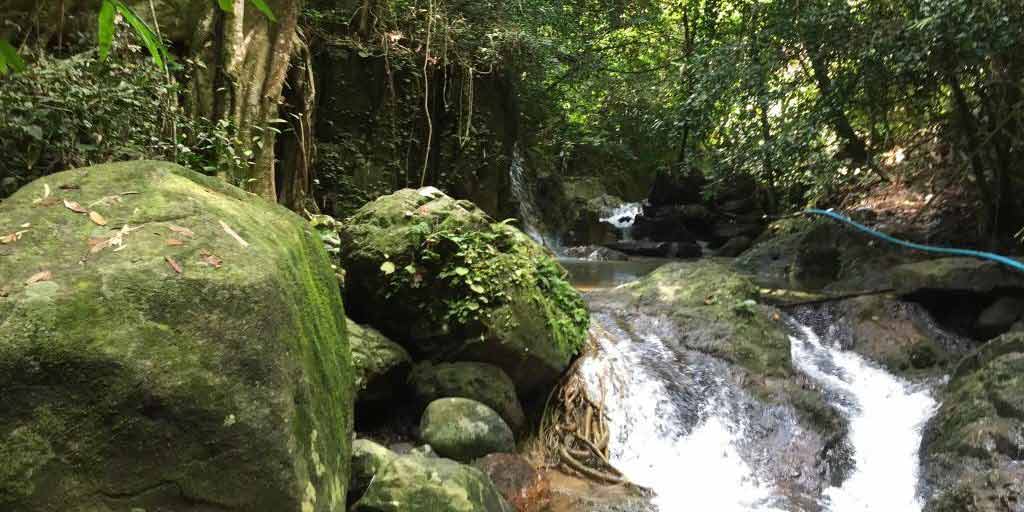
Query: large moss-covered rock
x=207, y=373
x=464, y=429
x=379, y=364
x=414, y=483
x=973, y=445
x=955, y=274
x=482, y=382
x=368, y=458
x=443, y=279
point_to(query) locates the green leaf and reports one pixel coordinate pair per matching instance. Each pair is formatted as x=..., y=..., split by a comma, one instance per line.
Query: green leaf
x=387, y=267
x=265, y=9
x=226, y=5
x=105, y=35
x=461, y=271
x=149, y=38
x=9, y=58
x=477, y=288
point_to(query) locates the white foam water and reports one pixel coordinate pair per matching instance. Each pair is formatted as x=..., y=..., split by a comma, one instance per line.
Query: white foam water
x=696, y=470
x=886, y=416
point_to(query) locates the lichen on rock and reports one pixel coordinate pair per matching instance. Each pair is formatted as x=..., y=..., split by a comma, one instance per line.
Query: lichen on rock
x=188, y=353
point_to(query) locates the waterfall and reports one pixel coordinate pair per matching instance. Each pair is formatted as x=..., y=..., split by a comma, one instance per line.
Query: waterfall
x=683, y=427
x=686, y=448
x=524, y=196
x=623, y=217
x=886, y=416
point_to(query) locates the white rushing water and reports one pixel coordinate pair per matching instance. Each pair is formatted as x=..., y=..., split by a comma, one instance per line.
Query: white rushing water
x=700, y=470
x=690, y=453
x=886, y=416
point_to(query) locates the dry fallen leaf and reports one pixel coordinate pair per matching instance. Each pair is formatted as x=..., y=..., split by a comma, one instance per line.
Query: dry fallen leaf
x=173, y=264
x=13, y=237
x=97, y=218
x=39, y=277
x=211, y=259
x=75, y=207
x=182, y=231
x=46, y=190
x=174, y=242
x=97, y=244
x=26, y=225
x=47, y=201
x=228, y=230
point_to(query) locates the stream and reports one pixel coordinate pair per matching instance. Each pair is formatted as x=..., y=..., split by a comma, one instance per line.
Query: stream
x=683, y=426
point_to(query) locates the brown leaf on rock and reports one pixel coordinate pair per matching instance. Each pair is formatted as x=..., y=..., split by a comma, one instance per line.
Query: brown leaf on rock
x=39, y=277
x=11, y=238
x=173, y=264
x=97, y=244
x=97, y=218
x=182, y=231
x=74, y=206
x=211, y=259
x=174, y=242
x=45, y=202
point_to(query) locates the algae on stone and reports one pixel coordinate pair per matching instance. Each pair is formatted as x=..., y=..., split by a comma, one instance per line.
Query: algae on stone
x=130, y=385
x=378, y=363
x=447, y=282
x=482, y=382
x=464, y=429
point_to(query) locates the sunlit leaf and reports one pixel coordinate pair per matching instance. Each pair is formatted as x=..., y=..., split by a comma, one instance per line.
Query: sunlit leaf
x=106, y=28
x=265, y=9
x=10, y=61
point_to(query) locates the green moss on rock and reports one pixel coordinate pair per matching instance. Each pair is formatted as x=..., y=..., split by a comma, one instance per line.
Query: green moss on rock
x=379, y=364
x=482, y=382
x=973, y=444
x=442, y=278
x=128, y=384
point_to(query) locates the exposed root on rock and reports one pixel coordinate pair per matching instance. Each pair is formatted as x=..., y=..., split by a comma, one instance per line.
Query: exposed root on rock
x=574, y=433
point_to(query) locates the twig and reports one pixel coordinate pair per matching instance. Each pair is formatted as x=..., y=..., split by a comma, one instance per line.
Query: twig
x=833, y=298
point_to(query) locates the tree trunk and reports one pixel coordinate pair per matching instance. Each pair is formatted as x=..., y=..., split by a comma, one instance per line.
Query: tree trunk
x=245, y=59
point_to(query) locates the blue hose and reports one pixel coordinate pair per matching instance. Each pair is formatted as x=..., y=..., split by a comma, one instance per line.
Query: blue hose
x=927, y=248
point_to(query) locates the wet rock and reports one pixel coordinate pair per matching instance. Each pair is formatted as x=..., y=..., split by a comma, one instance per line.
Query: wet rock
x=816, y=254
x=734, y=247
x=1000, y=316
x=482, y=382
x=368, y=458
x=415, y=483
x=973, y=444
x=380, y=365
x=517, y=480
x=900, y=335
x=658, y=249
x=586, y=203
x=955, y=274
x=445, y=281
x=464, y=429
x=212, y=374
x=725, y=230
x=595, y=253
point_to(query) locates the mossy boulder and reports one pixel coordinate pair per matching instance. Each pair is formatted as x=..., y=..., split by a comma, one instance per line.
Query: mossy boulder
x=181, y=349
x=972, y=446
x=379, y=364
x=464, y=429
x=482, y=382
x=439, y=276
x=414, y=483
x=368, y=458
x=955, y=274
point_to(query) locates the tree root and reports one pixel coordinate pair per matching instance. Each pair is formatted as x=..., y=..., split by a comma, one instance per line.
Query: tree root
x=574, y=433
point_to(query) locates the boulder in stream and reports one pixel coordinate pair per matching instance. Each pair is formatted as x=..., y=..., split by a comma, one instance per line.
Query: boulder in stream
x=380, y=365
x=417, y=483
x=443, y=279
x=482, y=382
x=464, y=429
x=168, y=342
x=973, y=445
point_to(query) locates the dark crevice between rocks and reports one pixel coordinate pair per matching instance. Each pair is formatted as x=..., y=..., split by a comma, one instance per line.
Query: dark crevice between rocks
x=980, y=316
